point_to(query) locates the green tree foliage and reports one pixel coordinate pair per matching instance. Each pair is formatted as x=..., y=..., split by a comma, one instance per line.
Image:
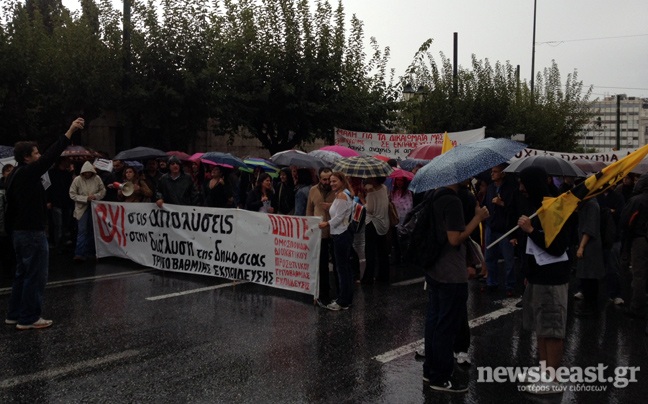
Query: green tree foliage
x=492, y=96
x=284, y=71
x=55, y=67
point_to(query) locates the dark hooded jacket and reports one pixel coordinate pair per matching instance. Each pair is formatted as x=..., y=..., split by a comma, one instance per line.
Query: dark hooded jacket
x=534, y=180
x=634, y=218
x=178, y=191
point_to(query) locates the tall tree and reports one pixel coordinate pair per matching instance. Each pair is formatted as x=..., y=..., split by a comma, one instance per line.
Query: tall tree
x=492, y=96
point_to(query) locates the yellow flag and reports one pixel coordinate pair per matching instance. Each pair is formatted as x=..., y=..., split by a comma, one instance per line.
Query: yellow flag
x=447, y=144
x=555, y=211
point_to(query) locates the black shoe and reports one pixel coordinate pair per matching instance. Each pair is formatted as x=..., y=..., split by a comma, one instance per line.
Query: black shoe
x=634, y=314
x=450, y=387
x=519, y=304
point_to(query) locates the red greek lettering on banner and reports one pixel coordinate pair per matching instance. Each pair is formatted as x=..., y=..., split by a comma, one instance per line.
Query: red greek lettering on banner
x=107, y=220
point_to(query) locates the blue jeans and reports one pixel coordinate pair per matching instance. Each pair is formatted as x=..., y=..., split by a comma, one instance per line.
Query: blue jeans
x=443, y=321
x=342, y=244
x=85, y=246
x=612, y=260
x=32, y=260
x=492, y=255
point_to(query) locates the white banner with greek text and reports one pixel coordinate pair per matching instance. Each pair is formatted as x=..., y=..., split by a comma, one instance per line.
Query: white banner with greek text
x=273, y=250
x=605, y=157
x=399, y=146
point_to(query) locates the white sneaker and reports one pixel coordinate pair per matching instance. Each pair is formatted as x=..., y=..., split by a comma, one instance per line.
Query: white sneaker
x=617, y=300
x=40, y=323
x=462, y=358
x=579, y=296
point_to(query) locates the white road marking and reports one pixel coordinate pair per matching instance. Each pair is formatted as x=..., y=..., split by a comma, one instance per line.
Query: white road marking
x=50, y=374
x=409, y=282
x=75, y=281
x=188, y=292
x=508, y=307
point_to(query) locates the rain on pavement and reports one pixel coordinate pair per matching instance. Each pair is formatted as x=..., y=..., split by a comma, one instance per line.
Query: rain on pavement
x=124, y=333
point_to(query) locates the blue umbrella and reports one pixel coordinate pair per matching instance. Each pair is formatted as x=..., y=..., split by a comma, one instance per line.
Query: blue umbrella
x=464, y=161
x=223, y=158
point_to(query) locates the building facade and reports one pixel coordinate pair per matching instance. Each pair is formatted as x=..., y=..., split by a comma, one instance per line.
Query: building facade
x=600, y=133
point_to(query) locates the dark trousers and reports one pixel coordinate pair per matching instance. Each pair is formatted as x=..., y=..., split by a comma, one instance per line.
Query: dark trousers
x=377, y=252
x=462, y=342
x=342, y=245
x=324, y=276
x=442, y=324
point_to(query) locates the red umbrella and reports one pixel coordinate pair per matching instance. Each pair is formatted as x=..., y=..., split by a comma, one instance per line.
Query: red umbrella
x=426, y=152
x=79, y=152
x=402, y=173
x=341, y=150
x=181, y=155
x=383, y=158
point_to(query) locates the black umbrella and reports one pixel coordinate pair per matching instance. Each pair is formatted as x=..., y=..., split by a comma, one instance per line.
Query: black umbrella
x=297, y=158
x=141, y=153
x=6, y=151
x=554, y=166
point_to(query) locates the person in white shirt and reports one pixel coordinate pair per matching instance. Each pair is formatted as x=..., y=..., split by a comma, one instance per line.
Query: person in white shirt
x=340, y=211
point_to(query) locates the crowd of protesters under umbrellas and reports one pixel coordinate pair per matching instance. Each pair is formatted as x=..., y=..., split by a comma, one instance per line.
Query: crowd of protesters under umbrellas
x=372, y=255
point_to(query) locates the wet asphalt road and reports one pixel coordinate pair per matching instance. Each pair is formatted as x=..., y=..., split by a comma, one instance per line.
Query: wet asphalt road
x=121, y=336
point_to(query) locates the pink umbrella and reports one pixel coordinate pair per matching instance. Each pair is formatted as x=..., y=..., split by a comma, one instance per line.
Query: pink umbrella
x=181, y=155
x=341, y=150
x=383, y=158
x=426, y=152
x=402, y=173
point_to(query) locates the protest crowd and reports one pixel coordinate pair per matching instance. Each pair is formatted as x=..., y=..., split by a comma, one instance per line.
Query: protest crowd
x=603, y=237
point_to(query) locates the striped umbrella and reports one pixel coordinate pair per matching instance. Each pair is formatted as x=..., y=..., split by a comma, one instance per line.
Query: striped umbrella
x=265, y=165
x=362, y=167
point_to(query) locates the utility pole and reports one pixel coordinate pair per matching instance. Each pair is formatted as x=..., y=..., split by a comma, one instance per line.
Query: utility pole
x=618, y=122
x=456, y=63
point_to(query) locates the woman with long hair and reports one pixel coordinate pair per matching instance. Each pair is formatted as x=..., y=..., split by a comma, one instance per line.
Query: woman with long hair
x=262, y=198
x=285, y=190
x=141, y=191
x=340, y=211
x=217, y=191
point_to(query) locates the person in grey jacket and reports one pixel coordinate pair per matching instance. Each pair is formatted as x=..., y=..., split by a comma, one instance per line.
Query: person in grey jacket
x=176, y=186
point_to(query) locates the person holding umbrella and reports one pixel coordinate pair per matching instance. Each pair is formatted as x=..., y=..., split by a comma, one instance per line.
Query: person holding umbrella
x=218, y=192
x=377, y=227
x=285, y=191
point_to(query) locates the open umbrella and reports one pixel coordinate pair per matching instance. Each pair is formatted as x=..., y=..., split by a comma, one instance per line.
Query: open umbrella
x=329, y=157
x=341, y=150
x=383, y=158
x=463, y=162
x=181, y=155
x=640, y=168
x=6, y=151
x=79, y=152
x=223, y=159
x=265, y=165
x=362, y=167
x=401, y=173
x=139, y=167
x=426, y=152
x=409, y=164
x=553, y=166
x=141, y=153
x=590, y=166
x=298, y=159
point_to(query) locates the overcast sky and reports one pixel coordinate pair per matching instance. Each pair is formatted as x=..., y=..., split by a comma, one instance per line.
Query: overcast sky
x=605, y=41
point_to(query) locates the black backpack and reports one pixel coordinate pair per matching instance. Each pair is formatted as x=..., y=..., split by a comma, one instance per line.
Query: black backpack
x=608, y=228
x=418, y=233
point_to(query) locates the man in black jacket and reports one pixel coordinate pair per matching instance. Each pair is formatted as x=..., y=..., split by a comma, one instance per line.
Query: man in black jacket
x=27, y=213
x=176, y=187
x=634, y=223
